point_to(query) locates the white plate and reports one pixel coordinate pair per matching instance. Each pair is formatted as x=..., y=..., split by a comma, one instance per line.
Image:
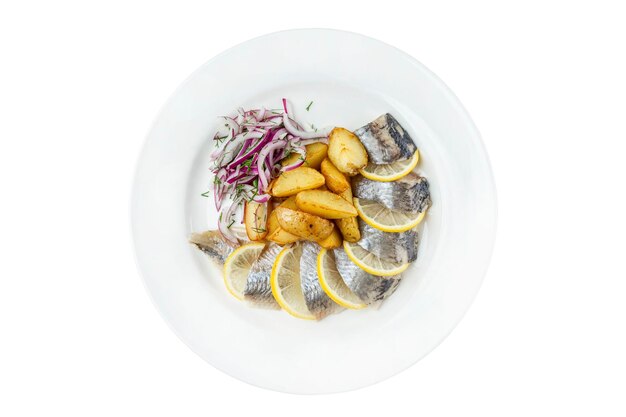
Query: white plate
x=351, y=79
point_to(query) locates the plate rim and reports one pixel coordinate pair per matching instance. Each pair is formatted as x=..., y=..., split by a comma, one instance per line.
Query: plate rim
x=442, y=87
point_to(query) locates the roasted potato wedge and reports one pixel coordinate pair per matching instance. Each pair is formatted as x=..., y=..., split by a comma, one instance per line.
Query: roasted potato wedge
x=315, y=154
x=275, y=233
x=292, y=182
x=255, y=219
x=290, y=203
x=334, y=240
x=272, y=224
x=346, y=151
x=346, y=194
x=324, y=204
x=349, y=228
x=304, y=225
x=336, y=180
x=282, y=237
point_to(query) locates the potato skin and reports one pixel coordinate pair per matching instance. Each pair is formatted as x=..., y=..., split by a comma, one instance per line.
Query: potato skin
x=324, y=204
x=334, y=240
x=315, y=154
x=336, y=180
x=292, y=182
x=304, y=225
x=255, y=217
x=346, y=151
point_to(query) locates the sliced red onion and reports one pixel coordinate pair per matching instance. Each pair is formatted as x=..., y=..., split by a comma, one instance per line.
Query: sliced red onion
x=225, y=221
x=293, y=166
x=295, y=149
x=249, y=152
x=232, y=123
x=321, y=133
x=217, y=196
x=264, y=179
x=266, y=124
x=261, y=198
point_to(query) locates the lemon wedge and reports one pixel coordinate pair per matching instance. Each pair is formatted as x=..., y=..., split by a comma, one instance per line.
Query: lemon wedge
x=371, y=263
x=237, y=266
x=332, y=283
x=390, y=172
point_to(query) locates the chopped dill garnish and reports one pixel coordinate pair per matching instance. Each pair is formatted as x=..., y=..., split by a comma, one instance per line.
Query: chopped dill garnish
x=205, y=194
x=258, y=230
x=216, y=180
x=231, y=223
x=247, y=163
x=309, y=106
x=220, y=139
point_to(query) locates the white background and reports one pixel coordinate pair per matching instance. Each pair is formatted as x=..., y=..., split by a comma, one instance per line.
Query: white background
x=80, y=83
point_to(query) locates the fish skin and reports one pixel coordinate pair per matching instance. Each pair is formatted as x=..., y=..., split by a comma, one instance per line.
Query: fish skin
x=318, y=303
x=396, y=247
x=369, y=288
x=409, y=194
x=213, y=245
x=258, y=290
x=385, y=140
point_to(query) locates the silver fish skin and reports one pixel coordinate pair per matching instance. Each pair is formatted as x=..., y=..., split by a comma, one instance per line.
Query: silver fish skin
x=369, y=288
x=318, y=303
x=213, y=245
x=396, y=247
x=258, y=290
x=386, y=140
x=409, y=194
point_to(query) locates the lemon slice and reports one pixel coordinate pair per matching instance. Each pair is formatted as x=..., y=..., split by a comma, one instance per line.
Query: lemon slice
x=237, y=266
x=332, y=283
x=390, y=172
x=385, y=219
x=285, y=282
x=371, y=263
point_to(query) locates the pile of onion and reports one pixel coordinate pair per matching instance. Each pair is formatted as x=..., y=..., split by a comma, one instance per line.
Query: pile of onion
x=249, y=149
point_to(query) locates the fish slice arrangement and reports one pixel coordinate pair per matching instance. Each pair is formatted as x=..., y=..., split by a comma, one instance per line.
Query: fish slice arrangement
x=330, y=216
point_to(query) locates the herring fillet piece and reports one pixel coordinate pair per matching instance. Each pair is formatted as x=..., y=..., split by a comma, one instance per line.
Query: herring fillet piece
x=397, y=247
x=369, y=288
x=213, y=245
x=318, y=303
x=386, y=140
x=409, y=194
x=258, y=290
